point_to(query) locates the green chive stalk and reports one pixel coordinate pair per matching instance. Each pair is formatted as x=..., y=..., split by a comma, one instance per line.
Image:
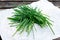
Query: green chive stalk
x=24, y=18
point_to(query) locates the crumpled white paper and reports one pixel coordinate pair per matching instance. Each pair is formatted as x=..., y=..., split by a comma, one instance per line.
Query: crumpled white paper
x=48, y=8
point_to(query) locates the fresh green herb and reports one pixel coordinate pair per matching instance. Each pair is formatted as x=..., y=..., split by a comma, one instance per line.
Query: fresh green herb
x=24, y=18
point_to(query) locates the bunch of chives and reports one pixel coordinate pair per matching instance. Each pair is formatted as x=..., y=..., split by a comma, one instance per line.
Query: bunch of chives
x=25, y=17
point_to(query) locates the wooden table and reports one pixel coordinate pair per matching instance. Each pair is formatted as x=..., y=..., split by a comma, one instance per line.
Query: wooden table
x=6, y=4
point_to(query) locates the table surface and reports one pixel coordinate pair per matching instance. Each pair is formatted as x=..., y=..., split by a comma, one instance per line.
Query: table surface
x=7, y=4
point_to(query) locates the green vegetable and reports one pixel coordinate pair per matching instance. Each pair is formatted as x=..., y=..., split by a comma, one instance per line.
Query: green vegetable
x=24, y=18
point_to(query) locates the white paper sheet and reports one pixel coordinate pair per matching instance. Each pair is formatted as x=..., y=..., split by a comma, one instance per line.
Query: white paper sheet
x=48, y=8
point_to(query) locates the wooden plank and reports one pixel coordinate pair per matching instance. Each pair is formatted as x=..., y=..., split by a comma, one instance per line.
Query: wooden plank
x=56, y=4
x=26, y=0
x=14, y=3
x=55, y=0
x=11, y=4
x=57, y=38
x=18, y=0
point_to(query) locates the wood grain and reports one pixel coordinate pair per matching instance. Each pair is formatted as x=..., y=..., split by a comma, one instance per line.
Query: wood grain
x=13, y=3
